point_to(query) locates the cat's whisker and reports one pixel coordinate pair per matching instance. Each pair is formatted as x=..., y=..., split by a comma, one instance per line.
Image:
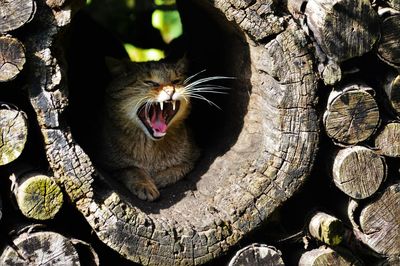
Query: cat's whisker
x=203, y=80
x=192, y=76
x=201, y=97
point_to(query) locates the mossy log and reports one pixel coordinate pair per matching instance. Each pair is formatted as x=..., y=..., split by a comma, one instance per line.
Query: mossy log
x=343, y=28
x=358, y=171
x=40, y=248
x=326, y=228
x=327, y=256
x=12, y=58
x=37, y=195
x=388, y=48
x=15, y=14
x=352, y=114
x=271, y=110
x=13, y=132
x=377, y=224
x=257, y=254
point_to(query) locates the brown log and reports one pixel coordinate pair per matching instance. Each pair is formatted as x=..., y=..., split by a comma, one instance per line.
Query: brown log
x=387, y=140
x=391, y=86
x=13, y=133
x=40, y=248
x=327, y=256
x=37, y=195
x=358, y=171
x=343, y=28
x=257, y=254
x=379, y=223
x=269, y=138
x=388, y=48
x=352, y=114
x=326, y=228
x=12, y=58
x=15, y=13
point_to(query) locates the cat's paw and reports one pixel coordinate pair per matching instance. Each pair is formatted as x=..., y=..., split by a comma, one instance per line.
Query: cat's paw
x=145, y=190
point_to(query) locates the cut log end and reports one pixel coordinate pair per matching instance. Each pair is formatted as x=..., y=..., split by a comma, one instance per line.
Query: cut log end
x=15, y=14
x=352, y=115
x=358, y=171
x=257, y=254
x=38, y=196
x=13, y=132
x=326, y=228
x=388, y=48
x=327, y=256
x=387, y=141
x=12, y=58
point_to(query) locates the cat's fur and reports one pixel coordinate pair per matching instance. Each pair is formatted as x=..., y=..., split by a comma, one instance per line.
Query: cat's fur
x=146, y=156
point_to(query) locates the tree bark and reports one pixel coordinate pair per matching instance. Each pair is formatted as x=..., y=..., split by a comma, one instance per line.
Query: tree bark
x=37, y=195
x=352, y=114
x=257, y=254
x=358, y=171
x=12, y=58
x=13, y=133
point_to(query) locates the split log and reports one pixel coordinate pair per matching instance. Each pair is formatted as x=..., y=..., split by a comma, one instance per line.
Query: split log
x=392, y=90
x=12, y=58
x=13, y=132
x=352, y=114
x=358, y=171
x=388, y=48
x=257, y=254
x=15, y=13
x=37, y=195
x=269, y=137
x=40, y=248
x=327, y=256
x=343, y=28
x=379, y=223
x=326, y=228
x=387, y=141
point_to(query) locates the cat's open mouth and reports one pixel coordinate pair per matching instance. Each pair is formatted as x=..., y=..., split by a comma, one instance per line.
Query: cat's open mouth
x=157, y=116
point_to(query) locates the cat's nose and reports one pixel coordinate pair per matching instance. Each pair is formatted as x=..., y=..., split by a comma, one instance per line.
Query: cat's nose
x=169, y=90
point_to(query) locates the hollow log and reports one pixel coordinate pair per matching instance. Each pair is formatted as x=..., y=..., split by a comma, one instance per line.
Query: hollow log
x=257, y=254
x=12, y=58
x=15, y=13
x=13, y=132
x=358, y=171
x=270, y=112
x=343, y=28
x=37, y=195
x=327, y=256
x=352, y=114
x=326, y=228
x=387, y=140
x=379, y=223
x=40, y=248
x=388, y=48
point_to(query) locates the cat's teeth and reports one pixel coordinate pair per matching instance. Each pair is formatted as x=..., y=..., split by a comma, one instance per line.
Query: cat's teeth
x=173, y=105
x=161, y=105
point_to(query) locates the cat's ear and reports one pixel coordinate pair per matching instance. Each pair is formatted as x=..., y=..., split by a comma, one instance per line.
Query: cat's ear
x=117, y=67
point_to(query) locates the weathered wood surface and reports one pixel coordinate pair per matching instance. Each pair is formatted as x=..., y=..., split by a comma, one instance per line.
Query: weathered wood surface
x=40, y=248
x=358, y=171
x=387, y=140
x=257, y=254
x=352, y=114
x=391, y=85
x=326, y=228
x=379, y=223
x=37, y=195
x=388, y=48
x=15, y=13
x=12, y=58
x=266, y=164
x=343, y=28
x=13, y=132
x=326, y=256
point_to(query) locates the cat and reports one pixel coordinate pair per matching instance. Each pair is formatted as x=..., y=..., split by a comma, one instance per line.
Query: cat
x=145, y=143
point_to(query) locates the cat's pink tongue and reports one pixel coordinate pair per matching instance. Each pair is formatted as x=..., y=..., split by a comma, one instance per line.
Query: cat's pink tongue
x=158, y=124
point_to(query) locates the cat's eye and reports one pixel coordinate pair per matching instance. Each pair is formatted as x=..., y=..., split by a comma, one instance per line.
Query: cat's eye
x=151, y=83
x=176, y=81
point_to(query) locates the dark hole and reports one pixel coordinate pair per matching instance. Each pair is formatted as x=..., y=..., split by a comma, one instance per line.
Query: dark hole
x=214, y=44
